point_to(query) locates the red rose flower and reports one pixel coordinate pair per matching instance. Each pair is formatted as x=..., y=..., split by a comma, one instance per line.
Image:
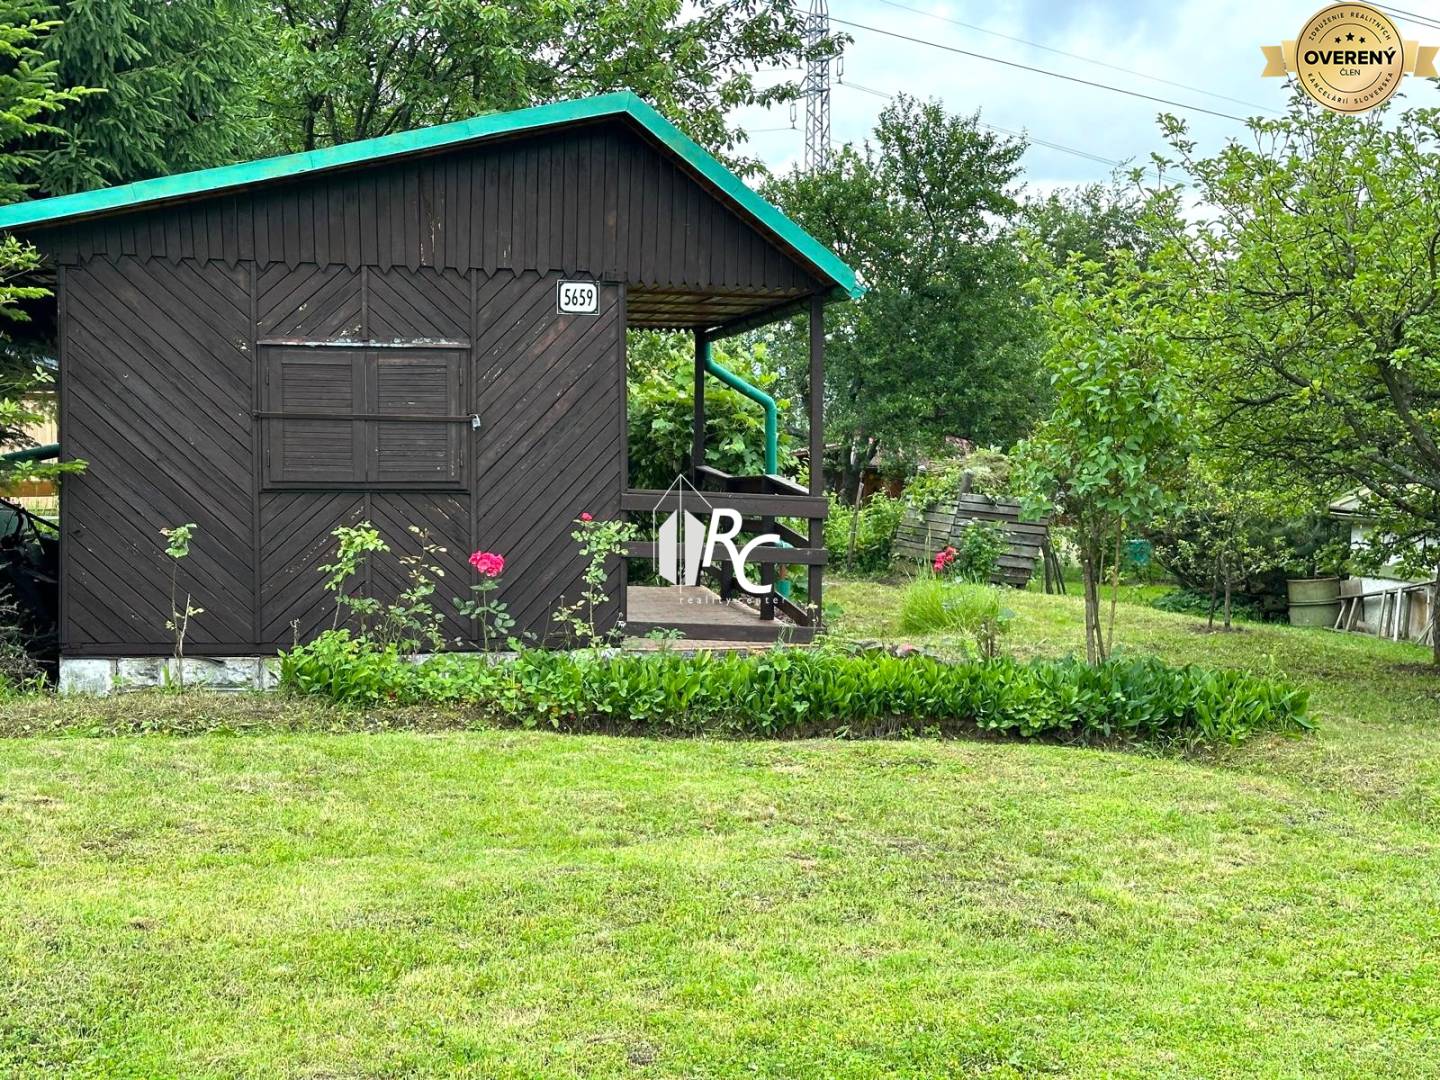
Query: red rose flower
x=488, y=563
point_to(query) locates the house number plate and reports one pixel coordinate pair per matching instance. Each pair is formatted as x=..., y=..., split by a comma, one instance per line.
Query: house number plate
x=579, y=298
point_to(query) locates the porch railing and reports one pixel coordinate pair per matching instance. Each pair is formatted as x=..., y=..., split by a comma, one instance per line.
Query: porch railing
x=760, y=501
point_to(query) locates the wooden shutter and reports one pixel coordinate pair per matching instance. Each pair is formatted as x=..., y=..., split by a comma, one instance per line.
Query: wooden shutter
x=355, y=417
x=304, y=385
x=414, y=384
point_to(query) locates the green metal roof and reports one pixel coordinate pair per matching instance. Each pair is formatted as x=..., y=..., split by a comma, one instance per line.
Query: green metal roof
x=228, y=177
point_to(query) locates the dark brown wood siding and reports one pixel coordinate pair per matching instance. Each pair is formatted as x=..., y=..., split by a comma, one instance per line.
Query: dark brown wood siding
x=161, y=397
x=598, y=201
x=167, y=316
x=158, y=399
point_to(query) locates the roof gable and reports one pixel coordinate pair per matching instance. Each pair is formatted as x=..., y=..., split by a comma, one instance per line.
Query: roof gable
x=768, y=218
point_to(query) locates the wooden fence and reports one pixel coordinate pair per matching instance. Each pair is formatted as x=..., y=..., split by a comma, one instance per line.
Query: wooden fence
x=922, y=533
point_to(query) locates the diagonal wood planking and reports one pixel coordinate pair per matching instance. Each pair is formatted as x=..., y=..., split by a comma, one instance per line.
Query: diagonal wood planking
x=159, y=403
x=549, y=392
x=295, y=543
x=445, y=520
x=406, y=305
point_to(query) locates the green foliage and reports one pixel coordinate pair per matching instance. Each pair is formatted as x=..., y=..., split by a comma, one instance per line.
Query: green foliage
x=354, y=544
x=791, y=694
x=1231, y=539
x=336, y=71
x=1109, y=457
x=943, y=342
x=989, y=471
x=410, y=622
x=1091, y=221
x=978, y=556
x=343, y=668
x=1194, y=602
x=25, y=399
x=177, y=547
x=602, y=543
x=662, y=411
x=874, y=523
x=1309, y=285
x=31, y=92
x=177, y=540
x=178, y=80
x=30, y=97
x=407, y=623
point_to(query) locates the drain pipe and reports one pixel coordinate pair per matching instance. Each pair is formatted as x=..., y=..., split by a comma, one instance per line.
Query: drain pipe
x=760, y=397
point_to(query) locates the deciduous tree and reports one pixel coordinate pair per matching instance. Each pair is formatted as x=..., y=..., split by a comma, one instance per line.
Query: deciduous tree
x=943, y=342
x=1111, y=453
x=340, y=70
x=1310, y=272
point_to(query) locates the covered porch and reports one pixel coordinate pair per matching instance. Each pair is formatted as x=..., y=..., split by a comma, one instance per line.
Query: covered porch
x=719, y=609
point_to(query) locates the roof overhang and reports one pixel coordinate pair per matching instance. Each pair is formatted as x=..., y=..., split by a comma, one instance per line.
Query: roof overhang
x=144, y=194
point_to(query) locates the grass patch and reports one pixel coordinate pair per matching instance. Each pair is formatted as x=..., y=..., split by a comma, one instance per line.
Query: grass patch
x=935, y=605
x=512, y=904
x=509, y=904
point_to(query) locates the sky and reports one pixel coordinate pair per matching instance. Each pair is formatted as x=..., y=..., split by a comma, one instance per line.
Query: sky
x=1210, y=44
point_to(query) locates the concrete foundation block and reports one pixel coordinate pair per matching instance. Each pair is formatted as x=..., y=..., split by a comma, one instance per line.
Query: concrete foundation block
x=140, y=672
x=222, y=672
x=86, y=676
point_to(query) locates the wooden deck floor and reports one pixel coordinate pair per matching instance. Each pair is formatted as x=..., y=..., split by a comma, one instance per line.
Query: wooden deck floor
x=701, y=616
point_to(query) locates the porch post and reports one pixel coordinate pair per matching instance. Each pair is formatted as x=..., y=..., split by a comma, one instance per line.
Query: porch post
x=697, y=438
x=817, y=443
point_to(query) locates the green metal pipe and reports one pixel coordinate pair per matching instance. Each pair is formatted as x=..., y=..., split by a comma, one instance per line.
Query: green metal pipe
x=761, y=398
x=34, y=453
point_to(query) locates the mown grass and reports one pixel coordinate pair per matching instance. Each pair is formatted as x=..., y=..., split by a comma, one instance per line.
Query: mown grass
x=1378, y=703
x=327, y=900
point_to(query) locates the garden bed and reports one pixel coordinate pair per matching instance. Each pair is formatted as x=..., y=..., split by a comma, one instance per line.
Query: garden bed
x=792, y=694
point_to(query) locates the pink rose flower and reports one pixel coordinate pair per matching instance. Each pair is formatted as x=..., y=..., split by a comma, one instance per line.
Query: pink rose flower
x=585, y=516
x=488, y=563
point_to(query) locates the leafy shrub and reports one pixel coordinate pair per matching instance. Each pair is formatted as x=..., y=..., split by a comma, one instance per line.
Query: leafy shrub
x=875, y=529
x=981, y=545
x=989, y=475
x=1192, y=602
x=661, y=411
x=824, y=692
x=346, y=669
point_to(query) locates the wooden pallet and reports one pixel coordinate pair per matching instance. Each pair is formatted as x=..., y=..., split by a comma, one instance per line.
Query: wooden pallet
x=924, y=532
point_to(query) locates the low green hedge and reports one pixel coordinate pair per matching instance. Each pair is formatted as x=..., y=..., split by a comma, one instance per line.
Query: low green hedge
x=789, y=693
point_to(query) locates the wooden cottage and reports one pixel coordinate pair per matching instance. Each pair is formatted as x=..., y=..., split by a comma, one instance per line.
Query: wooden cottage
x=424, y=329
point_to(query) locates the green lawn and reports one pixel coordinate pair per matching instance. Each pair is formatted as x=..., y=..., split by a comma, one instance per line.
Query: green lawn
x=502, y=904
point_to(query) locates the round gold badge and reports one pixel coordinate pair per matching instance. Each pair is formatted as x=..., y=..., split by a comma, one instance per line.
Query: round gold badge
x=1349, y=58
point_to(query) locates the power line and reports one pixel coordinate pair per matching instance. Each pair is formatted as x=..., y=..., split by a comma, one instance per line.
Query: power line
x=1423, y=20
x=1007, y=131
x=1074, y=56
x=1040, y=71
